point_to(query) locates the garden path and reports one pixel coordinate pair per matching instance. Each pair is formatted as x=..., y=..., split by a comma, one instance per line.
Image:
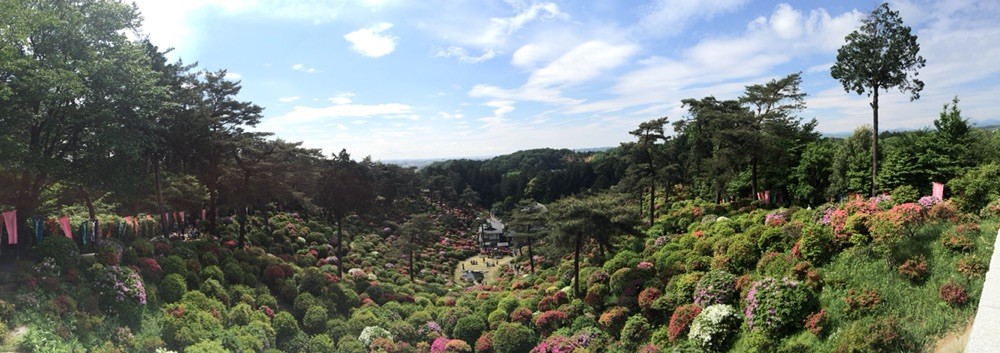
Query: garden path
x=480, y=264
x=983, y=337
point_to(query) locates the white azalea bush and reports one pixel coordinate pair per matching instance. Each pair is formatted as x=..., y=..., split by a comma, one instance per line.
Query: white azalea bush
x=370, y=333
x=715, y=327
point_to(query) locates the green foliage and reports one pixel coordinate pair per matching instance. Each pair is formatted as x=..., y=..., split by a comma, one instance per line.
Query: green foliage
x=469, y=328
x=623, y=259
x=174, y=264
x=314, y=320
x=513, y=338
x=61, y=249
x=816, y=244
x=880, y=335
x=210, y=346
x=976, y=188
x=636, y=331
x=172, y=288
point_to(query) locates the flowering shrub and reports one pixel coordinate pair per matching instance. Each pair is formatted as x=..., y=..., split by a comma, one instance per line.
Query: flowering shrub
x=370, y=333
x=555, y=344
x=613, y=319
x=681, y=320
x=927, y=202
x=647, y=297
x=861, y=302
x=149, y=268
x=954, y=294
x=943, y=211
x=122, y=284
x=550, y=321
x=776, y=218
x=775, y=307
x=715, y=327
x=109, y=252
x=485, y=343
x=957, y=242
x=521, y=315
x=715, y=287
x=62, y=250
x=914, y=269
x=971, y=266
x=816, y=322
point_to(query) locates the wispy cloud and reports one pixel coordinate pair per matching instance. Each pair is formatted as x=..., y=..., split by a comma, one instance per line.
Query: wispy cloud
x=463, y=56
x=303, y=68
x=371, y=42
x=669, y=17
x=289, y=99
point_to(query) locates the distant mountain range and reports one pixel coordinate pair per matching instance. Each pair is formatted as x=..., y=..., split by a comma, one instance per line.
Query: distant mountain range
x=987, y=124
x=423, y=162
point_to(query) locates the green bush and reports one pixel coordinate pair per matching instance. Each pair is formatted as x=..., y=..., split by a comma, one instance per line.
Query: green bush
x=61, y=249
x=213, y=272
x=214, y=289
x=623, y=259
x=174, y=264
x=212, y=346
x=349, y=344
x=773, y=239
x=905, y=193
x=285, y=324
x=816, y=244
x=314, y=321
x=469, y=328
x=635, y=332
x=513, y=338
x=742, y=254
x=776, y=264
x=320, y=343
x=186, y=326
x=172, y=288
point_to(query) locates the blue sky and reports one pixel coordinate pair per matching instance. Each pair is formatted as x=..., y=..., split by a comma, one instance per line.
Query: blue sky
x=433, y=79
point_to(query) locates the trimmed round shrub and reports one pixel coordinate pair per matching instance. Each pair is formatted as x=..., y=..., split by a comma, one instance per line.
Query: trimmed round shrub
x=816, y=244
x=549, y=321
x=681, y=320
x=715, y=327
x=513, y=338
x=172, y=288
x=623, y=259
x=954, y=294
x=613, y=320
x=715, y=287
x=212, y=346
x=174, y=264
x=314, y=321
x=914, y=269
x=556, y=344
x=742, y=254
x=469, y=328
x=61, y=249
x=635, y=332
x=320, y=343
x=370, y=333
x=213, y=272
x=776, y=264
x=777, y=307
x=285, y=324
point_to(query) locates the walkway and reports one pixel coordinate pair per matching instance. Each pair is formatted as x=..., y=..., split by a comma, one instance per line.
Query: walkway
x=491, y=272
x=984, y=337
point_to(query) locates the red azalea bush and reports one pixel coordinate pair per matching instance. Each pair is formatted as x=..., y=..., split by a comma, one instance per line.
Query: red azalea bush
x=681, y=320
x=861, y=302
x=485, y=343
x=613, y=319
x=556, y=344
x=971, y=266
x=150, y=268
x=914, y=269
x=550, y=321
x=647, y=297
x=957, y=242
x=954, y=294
x=521, y=315
x=816, y=322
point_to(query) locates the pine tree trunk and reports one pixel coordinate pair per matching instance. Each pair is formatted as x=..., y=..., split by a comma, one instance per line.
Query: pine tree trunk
x=340, y=247
x=159, y=196
x=531, y=256
x=576, y=267
x=874, y=139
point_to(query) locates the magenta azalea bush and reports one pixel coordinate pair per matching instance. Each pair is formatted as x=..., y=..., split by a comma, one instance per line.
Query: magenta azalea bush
x=775, y=307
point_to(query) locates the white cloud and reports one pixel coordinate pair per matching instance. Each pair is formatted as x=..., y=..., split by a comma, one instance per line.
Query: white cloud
x=463, y=56
x=492, y=38
x=446, y=115
x=233, y=76
x=289, y=99
x=371, y=42
x=303, y=68
x=343, y=98
x=722, y=66
x=302, y=114
x=581, y=64
x=670, y=17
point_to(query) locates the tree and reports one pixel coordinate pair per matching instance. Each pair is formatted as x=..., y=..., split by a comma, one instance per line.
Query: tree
x=74, y=90
x=774, y=129
x=344, y=187
x=645, y=156
x=880, y=55
x=577, y=220
x=851, y=164
x=812, y=175
x=527, y=222
x=415, y=234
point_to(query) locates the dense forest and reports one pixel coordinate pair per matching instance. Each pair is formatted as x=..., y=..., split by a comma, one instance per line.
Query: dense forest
x=736, y=226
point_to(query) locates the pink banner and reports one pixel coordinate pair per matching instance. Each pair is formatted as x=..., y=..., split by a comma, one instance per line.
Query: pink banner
x=10, y=220
x=938, y=191
x=182, y=216
x=203, y=213
x=66, y=228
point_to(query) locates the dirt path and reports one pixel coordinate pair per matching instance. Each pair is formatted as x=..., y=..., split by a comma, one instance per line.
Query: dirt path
x=954, y=342
x=480, y=264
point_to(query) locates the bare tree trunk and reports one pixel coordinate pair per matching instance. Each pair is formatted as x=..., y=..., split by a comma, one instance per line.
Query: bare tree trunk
x=340, y=247
x=652, y=201
x=576, y=267
x=531, y=256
